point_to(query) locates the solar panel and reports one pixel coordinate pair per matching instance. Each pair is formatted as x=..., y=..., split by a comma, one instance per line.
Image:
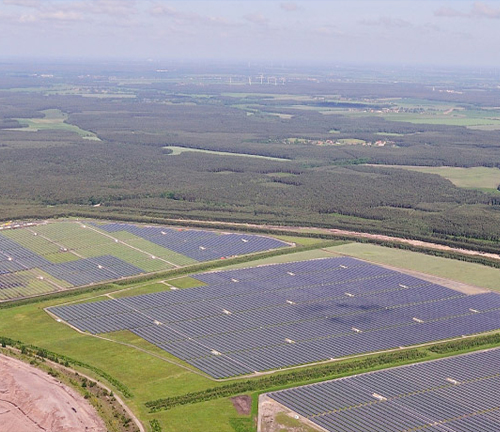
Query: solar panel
x=281, y=315
x=458, y=394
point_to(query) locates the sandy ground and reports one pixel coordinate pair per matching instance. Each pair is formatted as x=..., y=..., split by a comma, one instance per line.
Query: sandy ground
x=33, y=401
x=269, y=413
x=340, y=232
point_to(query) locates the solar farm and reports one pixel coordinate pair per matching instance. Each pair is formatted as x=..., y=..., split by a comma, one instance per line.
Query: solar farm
x=457, y=394
x=46, y=257
x=277, y=316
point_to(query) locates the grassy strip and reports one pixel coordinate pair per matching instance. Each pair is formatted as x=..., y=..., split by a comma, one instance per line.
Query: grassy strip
x=330, y=371
x=298, y=375
x=59, y=358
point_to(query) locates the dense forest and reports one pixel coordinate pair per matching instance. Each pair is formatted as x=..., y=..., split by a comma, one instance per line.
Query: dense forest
x=46, y=169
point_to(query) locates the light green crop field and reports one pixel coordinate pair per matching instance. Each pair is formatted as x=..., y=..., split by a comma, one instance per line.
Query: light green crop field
x=482, y=178
x=179, y=150
x=54, y=120
x=419, y=111
x=468, y=119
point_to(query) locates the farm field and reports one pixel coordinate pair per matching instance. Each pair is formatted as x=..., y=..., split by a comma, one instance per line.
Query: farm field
x=54, y=256
x=481, y=178
x=455, y=394
x=54, y=119
x=417, y=111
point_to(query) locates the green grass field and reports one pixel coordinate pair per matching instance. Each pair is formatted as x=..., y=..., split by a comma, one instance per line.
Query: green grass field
x=179, y=150
x=54, y=120
x=468, y=273
x=418, y=111
x=481, y=178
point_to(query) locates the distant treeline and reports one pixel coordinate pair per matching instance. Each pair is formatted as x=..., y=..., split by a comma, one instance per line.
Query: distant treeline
x=51, y=172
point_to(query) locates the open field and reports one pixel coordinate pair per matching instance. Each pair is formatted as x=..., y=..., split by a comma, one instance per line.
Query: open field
x=481, y=178
x=54, y=119
x=179, y=150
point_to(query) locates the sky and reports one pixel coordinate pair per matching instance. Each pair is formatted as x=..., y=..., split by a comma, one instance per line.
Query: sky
x=421, y=32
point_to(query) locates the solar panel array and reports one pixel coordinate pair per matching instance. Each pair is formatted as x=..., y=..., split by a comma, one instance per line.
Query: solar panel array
x=456, y=394
x=55, y=256
x=197, y=244
x=275, y=316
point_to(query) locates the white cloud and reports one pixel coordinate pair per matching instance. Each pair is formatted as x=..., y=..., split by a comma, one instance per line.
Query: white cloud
x=35, y=4
x=257, y=18
x=188, y=18
x=478, y=10
x=387, y=22
x=289, y=6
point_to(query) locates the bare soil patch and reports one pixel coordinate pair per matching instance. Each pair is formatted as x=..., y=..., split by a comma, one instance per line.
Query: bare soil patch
x=33, y=401
x=274, y=417
x=243, y=404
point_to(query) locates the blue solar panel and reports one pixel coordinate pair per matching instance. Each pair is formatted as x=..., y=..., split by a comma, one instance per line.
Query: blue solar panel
x=197, y=244
x=281, y=315
x=458, y=394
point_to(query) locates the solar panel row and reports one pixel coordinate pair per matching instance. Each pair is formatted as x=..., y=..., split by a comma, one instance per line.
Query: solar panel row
x=16, y=258
x=275, y=316
x=196, y=244
x=455, y=394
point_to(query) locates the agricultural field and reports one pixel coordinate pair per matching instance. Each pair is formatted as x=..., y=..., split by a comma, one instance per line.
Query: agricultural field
x=53, y=119
x=480, y=178
x=53, y=256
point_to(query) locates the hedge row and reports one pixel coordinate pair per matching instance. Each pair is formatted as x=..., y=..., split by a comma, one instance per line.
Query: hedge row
x=295, y=376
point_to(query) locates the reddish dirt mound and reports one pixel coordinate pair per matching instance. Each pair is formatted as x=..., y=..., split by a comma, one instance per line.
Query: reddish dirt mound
x=243, y=404
x=33, y=401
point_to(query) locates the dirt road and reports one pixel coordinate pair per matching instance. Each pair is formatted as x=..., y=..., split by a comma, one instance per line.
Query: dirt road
x=340, y=233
